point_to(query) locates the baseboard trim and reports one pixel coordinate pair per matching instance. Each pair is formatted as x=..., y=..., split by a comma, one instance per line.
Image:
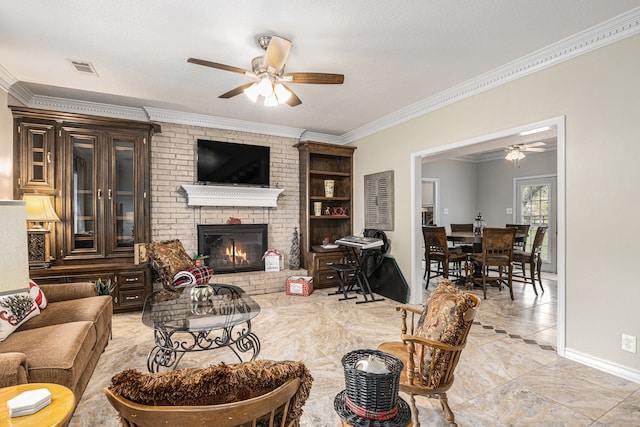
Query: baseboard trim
x=604, y=365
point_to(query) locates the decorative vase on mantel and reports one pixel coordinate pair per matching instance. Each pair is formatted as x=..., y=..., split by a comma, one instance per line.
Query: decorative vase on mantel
x=294, y=253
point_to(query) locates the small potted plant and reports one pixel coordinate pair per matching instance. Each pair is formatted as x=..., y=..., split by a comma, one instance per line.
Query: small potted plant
x=104, y=288
x=197, y=258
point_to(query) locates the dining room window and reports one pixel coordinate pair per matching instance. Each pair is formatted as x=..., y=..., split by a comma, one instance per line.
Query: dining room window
x=535, y=210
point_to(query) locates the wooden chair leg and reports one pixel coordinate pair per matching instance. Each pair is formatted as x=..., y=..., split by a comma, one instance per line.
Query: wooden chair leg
x=539, y=267
x=448, y=413
x=533, y=277
x=510, y=281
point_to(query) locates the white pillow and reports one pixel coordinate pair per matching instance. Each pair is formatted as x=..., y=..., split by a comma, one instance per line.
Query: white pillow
x=15, y=309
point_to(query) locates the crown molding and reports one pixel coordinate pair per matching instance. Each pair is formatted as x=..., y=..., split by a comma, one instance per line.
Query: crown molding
x=321, y=137
x=192, y=119
x=611, y=31
x=13, y=87
x=87, y=107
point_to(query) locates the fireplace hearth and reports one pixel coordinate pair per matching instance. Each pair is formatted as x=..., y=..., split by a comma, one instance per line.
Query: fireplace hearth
x=233, y=248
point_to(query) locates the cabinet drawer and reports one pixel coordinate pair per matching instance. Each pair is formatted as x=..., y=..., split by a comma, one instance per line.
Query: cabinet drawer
x=327, y=278
x=131, y=279
x=324, y=262
x=131, y=298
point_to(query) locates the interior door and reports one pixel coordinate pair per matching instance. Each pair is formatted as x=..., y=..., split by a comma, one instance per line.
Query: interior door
x=536, y=205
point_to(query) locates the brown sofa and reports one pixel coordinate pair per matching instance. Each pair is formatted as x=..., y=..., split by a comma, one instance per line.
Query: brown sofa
x=63, y=343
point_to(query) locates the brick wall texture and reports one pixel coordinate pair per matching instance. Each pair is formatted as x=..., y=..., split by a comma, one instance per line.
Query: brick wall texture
x=173, y=163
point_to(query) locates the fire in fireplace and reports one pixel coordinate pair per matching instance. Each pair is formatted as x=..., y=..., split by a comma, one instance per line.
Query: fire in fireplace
x=233, y=248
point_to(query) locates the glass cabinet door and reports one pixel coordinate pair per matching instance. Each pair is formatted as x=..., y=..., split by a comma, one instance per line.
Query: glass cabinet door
x=121, y=194
x=86, y=194
x=37, y=142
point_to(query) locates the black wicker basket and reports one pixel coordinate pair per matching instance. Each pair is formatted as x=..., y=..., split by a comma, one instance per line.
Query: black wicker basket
x=375, y=392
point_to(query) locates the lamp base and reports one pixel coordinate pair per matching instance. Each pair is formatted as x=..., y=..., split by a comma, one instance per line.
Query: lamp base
x=38, y=248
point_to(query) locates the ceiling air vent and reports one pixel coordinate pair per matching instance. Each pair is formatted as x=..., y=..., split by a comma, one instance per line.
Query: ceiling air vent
x=84, y=67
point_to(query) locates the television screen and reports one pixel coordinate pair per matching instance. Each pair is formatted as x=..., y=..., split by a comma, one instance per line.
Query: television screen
x=231, y=163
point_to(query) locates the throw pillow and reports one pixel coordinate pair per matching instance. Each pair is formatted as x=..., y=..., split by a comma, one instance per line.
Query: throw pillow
x=15, y=309
x=37, y=295
x=444, y=319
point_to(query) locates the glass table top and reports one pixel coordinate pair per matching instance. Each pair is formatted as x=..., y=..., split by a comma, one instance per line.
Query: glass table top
x=175, y=311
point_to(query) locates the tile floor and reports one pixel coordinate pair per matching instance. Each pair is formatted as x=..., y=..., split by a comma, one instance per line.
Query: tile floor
x=509, y=374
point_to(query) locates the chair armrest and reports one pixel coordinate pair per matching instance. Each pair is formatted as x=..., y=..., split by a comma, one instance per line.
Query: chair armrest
x=430, y=343
x=413, y=308
x=13, y=369
x=68, y=291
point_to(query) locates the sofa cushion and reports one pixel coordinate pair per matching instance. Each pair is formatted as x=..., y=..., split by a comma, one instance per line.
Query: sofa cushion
x=15, y=309
x=55, y=354
x=37, y=295
x=96, y=309
x=444, y=319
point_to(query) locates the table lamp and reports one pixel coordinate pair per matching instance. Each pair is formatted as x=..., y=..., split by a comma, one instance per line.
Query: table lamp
x=39, y=211
x=14, y=263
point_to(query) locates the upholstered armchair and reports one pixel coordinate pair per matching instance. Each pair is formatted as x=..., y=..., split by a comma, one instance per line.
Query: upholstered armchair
x=174, y=266
x=258, y=393
x=432, y=341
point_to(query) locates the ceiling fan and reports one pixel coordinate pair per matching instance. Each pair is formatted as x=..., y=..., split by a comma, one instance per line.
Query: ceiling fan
x=269, y=77
x=516, y=152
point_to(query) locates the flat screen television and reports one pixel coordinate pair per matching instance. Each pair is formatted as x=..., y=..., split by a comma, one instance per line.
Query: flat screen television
x=232, y=164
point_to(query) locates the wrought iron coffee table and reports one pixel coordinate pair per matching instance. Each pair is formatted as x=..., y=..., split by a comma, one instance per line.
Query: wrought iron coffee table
x=181, y=325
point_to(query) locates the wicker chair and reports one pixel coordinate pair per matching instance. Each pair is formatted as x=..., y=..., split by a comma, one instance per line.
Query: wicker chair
x=435, y=378
x=532, y=258
x=242, y=413
x=436, y=249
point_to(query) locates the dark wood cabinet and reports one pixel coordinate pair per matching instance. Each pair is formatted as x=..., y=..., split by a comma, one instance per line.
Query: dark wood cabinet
x=320, y=162
x=98, y=171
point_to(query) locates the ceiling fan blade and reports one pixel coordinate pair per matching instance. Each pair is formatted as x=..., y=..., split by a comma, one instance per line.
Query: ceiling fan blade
x=236, y=91
x=220, y=66
x=293, y=99
x=536, y=150
x=277, y=54
x=535, y=144
x=314, y=78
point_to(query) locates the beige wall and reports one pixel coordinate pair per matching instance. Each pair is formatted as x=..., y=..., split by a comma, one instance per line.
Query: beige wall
x=6, y=148
x=600, y=96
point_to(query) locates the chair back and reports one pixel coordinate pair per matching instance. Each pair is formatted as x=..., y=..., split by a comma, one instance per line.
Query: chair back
x=435, y=241
x=497, y=246
x=462, y=227
x=520, y=229
x=270, y=408
x=538, y=239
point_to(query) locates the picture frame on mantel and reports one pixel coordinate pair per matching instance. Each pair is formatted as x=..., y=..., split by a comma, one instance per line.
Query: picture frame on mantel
x=379, y=201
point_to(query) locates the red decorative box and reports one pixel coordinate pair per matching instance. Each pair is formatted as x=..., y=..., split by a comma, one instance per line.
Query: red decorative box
x=300, y=285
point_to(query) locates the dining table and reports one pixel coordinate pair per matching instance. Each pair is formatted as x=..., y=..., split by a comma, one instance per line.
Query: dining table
x=470, y=237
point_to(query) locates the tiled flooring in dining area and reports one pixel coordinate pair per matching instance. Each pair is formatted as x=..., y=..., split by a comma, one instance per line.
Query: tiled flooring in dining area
x=508, y=375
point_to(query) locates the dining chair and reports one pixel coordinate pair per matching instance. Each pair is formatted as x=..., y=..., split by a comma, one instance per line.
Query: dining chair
x=497, y=251
x=462, y=227
x=533, y=258
x=520, y=229
x=436, y=249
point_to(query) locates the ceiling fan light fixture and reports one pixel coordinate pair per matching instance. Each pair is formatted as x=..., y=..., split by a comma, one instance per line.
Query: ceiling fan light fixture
x=265, y=87
x=514, y=153
x=281, y=93
x=271, y=101
x=252, y=92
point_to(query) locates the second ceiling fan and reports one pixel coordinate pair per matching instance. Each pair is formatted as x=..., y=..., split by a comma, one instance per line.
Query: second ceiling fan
x=270, y=80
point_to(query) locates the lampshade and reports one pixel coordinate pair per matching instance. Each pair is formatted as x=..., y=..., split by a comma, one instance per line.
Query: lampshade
x=14, y=262
x=252, y=92
x=39, y=208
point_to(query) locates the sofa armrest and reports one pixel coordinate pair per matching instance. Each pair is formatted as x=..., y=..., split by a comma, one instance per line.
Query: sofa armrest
x=13, y=369
x=67, y=291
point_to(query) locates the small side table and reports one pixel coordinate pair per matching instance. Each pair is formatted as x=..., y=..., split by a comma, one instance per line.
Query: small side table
x=55, y=414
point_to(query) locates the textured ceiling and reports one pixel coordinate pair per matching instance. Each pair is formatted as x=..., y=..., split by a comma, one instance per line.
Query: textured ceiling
x=392, y=53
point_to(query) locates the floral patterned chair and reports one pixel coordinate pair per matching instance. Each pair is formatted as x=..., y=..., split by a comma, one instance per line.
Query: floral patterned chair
x=174, y=266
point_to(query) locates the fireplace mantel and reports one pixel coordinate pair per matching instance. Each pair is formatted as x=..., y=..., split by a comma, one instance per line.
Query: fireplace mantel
x=223, y=195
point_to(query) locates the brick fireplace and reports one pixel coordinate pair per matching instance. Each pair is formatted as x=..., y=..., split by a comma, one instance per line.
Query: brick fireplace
x=173, y=164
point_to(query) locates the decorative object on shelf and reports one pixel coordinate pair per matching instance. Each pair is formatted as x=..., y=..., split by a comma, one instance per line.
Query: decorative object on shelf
x=479, y=224
x=339, y=211
x=39, y=211
x=201, y=293
x=327, y=211
x=271, y=260
x=294, y=253
x=104, y=288
x=197, y=259
x=233, y=220
x=329, y=185
x=14, y=264
x=317, y=208
x=325, y=241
